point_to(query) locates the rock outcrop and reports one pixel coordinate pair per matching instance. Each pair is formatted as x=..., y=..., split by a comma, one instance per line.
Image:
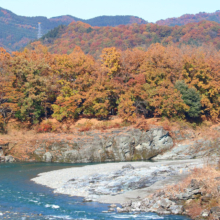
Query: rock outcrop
x=3, y=157
x=161, y=206
x=182, y=203
x=188, y=147
x=7, y=159
x=124, y=144
x=116, y=145
x=177, y=204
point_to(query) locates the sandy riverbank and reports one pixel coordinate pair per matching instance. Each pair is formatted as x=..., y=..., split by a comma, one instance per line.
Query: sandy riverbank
x=116, y=182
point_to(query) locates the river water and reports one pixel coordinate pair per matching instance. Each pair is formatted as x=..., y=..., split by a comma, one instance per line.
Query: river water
x=22, y=199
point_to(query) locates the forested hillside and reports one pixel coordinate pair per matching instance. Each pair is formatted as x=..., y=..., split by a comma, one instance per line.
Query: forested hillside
x=17, y=31
x=92, y=40
x=174, y=82
x=191, y=18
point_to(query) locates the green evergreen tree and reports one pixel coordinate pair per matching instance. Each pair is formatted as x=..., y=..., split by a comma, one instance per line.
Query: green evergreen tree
x=191, y=97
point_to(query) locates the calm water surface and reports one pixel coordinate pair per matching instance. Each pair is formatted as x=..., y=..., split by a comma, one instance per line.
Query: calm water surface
x=21, y=199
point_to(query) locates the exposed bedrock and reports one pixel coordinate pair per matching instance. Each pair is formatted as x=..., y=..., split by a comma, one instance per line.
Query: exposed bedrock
x=126, y=144
x=4, y=157
x=116, y=145
x=191, y=148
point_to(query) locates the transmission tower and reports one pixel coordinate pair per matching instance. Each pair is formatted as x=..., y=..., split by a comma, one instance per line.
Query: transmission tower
x=39, y=35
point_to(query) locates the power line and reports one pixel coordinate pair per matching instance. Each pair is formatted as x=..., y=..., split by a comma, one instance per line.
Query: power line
x=39, y=35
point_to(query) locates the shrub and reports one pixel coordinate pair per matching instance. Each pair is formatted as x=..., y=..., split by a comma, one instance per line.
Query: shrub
x=85, y=127
x=194, y=210
x=143, y=126
x=166, y=126
x=1, y=124
x=44, y=127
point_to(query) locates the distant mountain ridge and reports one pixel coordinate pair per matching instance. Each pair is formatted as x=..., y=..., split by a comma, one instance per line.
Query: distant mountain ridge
x=18, y=31
x=190, y=18
x=102, y=21
x=92, y=40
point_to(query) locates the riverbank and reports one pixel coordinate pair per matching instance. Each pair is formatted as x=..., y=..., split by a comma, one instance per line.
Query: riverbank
x=23, y=199
x=197, y=196
x=118, y=182
x=113, y=145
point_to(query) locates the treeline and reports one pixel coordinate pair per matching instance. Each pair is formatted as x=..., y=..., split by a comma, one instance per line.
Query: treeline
x=93, y=40
x=163, y=81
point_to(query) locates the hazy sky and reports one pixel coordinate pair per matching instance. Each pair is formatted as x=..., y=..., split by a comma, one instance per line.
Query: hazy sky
x=150, y=10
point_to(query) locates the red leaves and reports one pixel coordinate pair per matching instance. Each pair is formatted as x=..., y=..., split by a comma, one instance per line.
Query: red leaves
x=44, y=127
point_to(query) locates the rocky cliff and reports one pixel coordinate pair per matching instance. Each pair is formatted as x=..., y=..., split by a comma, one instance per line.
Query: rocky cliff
x=124, y=144
x=115, y=145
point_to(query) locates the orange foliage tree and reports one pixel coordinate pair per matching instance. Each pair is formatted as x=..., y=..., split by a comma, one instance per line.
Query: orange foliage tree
x=161, y=81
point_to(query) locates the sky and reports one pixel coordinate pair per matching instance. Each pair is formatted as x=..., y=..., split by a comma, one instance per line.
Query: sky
x=150, y=10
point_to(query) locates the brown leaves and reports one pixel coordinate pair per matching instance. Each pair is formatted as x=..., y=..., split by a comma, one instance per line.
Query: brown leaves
x=133, y=83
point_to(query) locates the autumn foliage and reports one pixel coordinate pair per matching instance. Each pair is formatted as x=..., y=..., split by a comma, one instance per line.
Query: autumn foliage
x=191, y=18
x=169, y=81
x=93, y=40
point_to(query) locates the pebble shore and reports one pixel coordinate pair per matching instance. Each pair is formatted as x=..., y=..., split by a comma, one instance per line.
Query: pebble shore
x=117, y=182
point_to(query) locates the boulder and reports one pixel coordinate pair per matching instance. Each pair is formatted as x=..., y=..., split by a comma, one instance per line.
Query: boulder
x=128, y=166
x=195, y=184
x=189, y=194
x=111, y=210
x=47, y=157
x=9, y=159
x=206, y=199
x=176, y=209
x=123, y=210
x=4, y=147
x=126, y=204
x=166, y=203
x=205, y=213
x=1, y=152
x=155, y=206
x=162, y=211
x=145, y=202
x=136, y=205
x=87, y=199
x=215, y=210
x=113, y=206
x=215, y=213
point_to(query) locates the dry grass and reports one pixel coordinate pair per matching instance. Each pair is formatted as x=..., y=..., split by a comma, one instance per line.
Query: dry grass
x=194, y=210
x=142, y=125
x=87, y=126
x=205, y=175
x=103, y=125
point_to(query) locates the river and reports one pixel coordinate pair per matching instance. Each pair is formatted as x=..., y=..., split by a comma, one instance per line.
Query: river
x=22, y=199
